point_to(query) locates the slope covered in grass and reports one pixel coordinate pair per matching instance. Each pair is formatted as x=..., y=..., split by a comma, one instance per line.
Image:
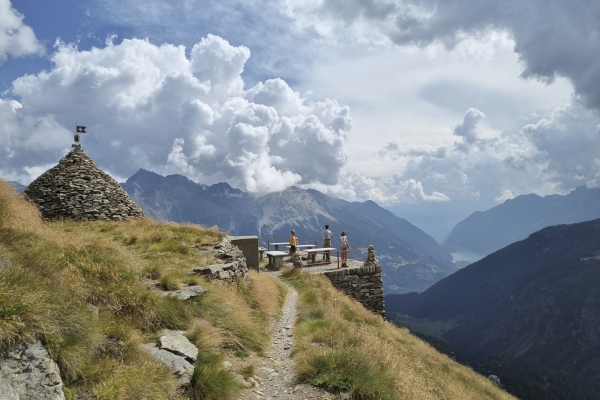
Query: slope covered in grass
x=61, y=272
x=343, y=347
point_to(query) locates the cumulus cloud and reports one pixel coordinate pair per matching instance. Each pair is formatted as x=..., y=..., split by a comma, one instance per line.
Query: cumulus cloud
x=16, y=38
x=554, y=154
x=154, y=107
x=557, y=39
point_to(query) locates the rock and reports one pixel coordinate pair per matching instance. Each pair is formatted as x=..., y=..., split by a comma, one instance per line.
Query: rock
x=4, y=263
x=178, y=344
x=28, y=372
x=188, y=292
x=495, y=379
x=235, y=267
x=181, y=368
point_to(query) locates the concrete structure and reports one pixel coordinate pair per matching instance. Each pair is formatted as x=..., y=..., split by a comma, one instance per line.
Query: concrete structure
x=249, y=246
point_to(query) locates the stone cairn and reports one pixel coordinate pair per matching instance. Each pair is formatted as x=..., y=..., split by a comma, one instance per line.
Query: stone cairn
x=77, y=189
x=371, y=260
x=297, y=261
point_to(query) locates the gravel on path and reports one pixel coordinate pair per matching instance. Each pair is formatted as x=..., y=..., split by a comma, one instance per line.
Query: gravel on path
x=275, y=379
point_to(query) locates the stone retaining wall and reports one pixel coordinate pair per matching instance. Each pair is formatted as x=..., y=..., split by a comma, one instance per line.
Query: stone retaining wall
x=363, y=284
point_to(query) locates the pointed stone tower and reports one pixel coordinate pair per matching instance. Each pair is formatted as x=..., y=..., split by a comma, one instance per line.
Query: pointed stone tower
x=77, y=189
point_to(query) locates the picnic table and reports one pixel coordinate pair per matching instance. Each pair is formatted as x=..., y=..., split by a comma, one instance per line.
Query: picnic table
x=313, y=252
x=301, y=246
x=279, y=244
x=275, y=258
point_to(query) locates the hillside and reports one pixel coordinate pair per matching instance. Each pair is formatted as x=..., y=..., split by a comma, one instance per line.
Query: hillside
x=411, y=259
x=91, y=292
x=537, y=299
x=484, y=232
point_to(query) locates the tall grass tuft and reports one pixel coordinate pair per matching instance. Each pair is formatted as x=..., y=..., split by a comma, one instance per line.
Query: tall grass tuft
x=342, y=347
x=210, y=381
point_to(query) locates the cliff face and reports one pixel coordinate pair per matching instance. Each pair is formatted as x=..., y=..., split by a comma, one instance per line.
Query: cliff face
x=77, y=189
x=538, y=299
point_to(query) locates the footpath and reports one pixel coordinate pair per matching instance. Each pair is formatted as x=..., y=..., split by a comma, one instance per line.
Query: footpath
x=276, y=376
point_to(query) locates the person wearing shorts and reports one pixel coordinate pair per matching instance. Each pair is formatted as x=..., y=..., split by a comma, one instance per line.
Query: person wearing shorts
x=293, y=244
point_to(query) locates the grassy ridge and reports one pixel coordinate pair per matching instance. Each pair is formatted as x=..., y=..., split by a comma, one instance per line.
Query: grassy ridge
x=61, y=271
x=342, y=347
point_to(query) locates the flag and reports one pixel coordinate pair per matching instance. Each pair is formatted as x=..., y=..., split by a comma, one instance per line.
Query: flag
x=81, y=129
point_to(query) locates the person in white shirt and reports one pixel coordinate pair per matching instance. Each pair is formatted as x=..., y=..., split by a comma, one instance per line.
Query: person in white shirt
x=327, y=235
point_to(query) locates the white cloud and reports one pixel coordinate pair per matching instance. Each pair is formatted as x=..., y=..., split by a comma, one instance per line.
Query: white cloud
x=554, y=154
x=152, y=106
x=502, y=197
x=16, y=38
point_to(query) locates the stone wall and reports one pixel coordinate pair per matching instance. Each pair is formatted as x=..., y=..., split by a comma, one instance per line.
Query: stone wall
x=234, y=265
x=363, y=284
x=249, y=246
x=77, y=189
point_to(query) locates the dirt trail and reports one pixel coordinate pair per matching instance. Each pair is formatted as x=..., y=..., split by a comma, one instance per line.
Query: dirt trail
x=276, y=375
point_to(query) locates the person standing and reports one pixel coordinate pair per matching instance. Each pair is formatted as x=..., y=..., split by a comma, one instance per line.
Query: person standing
x=327, y=235
x=293, y=244
x=344, y=247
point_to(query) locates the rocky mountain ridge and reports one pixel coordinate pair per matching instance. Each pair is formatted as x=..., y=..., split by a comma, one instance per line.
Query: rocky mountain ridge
x=484, y=232
x=410, y=258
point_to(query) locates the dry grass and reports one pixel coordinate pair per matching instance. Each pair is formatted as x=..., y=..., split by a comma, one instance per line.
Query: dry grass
x=59, y=269
x=344, y=348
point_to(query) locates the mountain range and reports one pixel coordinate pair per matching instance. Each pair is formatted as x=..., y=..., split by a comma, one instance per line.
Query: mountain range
x=484, y=232
x=411, y=259
x=537, y=299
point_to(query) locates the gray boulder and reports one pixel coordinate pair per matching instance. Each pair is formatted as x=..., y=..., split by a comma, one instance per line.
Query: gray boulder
x=181, y=368
x=28, y=372
x=178, y=344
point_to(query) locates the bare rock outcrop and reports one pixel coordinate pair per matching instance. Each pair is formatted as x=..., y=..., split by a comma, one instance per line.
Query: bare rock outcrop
x=28, y=372
x=77, y=189
x=235, y=263
x=177, y=353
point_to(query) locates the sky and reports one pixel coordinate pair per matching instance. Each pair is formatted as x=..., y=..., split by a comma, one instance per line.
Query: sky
x=432, y=109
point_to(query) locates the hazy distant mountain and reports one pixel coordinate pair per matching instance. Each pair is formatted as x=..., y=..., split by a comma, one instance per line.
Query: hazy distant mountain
x=411, y=259
x=18, y=187
x=487, y=231
x=537, y=299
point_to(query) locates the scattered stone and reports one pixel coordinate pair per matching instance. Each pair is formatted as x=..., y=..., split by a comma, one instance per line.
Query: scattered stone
x=181, y=368
x=4, y=263
x=77, y=189
x=178, y=344
x=188, y=292
x=28, y=372
x=495, y=379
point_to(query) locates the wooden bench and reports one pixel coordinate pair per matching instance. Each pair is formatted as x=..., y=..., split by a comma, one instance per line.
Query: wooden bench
x=313, y=252
x=275, y=258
